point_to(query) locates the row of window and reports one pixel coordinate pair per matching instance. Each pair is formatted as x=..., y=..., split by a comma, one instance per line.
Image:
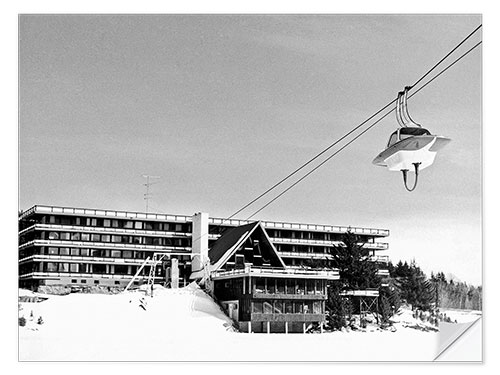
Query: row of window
x=287, y=307
x=96, y=268
x=116, y=223
x=86, y=252
x=269, y=285
x=290, y=286
x=111, y=238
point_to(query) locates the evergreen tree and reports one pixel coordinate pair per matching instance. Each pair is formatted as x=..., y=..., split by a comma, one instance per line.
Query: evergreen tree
x=356, y=269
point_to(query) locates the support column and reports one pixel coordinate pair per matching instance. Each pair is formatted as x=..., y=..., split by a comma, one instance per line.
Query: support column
x=286, y=327
x=321, y=327
x=250, y=327
x=304, y=327
x=199, y=246
x=268, y=328
x=174, y=282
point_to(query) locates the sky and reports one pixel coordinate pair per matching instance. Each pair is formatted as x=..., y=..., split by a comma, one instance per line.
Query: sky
x=222, y=107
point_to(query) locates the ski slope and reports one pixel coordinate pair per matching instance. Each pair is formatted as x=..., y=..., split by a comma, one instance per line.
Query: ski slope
x=187, y=325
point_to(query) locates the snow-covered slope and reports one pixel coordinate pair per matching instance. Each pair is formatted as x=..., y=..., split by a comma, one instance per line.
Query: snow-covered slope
x=187, y=325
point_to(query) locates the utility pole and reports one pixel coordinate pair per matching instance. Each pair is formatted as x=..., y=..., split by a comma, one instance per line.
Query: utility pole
x=147, y=195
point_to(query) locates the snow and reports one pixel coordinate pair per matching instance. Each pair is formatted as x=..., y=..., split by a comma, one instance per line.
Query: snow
x=187, y=325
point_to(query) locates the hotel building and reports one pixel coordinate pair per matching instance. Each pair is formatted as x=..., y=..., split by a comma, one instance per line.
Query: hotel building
x=263, y=272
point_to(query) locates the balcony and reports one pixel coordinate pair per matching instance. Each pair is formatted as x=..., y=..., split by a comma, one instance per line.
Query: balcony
x=263, y=317
x=303, y=241
x=288, y=272
x=104, y=245
x=301, y=297
x=304, y=255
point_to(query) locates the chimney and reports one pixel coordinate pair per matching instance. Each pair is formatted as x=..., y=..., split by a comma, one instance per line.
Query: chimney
x=199, y=241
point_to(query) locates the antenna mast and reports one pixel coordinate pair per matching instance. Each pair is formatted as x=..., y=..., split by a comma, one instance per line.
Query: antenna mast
x=147, y=195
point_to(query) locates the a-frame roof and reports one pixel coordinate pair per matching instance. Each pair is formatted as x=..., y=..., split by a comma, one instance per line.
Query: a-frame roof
x=232, y=239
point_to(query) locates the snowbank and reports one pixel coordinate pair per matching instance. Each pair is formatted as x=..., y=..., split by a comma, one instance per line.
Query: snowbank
x=187, y=325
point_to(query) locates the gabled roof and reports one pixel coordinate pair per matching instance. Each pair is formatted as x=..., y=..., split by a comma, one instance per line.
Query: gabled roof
x=232, y=240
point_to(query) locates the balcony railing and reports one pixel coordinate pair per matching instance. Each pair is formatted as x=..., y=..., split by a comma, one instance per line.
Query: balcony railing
x=103, y=245
x=278, y=272
x=105, y=213
x=106, y=230
x=302, y=241
x=297, y=254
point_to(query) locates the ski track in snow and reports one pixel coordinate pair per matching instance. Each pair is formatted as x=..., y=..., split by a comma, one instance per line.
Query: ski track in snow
x=187, y=325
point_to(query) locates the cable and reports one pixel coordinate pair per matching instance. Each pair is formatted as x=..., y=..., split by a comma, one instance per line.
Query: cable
x=449, y=53
x=360, y=134
x=348, y=133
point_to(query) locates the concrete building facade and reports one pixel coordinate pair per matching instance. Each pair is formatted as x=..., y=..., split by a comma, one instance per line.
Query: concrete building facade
x=81, y=246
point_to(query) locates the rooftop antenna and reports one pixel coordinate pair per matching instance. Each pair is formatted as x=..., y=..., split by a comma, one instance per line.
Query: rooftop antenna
x=148, y=183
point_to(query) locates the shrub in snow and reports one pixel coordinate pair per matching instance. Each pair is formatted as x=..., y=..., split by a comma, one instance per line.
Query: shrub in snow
x=22, y=321
x=40, y=320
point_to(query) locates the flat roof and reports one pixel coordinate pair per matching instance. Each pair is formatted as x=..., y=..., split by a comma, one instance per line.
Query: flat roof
x=212, y=220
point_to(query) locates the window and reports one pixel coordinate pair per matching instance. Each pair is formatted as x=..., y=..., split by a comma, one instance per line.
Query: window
x=64, y=236
x=115, y=223
x=136, y=240
x=53, y=251
x=271, y=287
x=298, y=308
x=128, y=225
x=138, y=225
x=96, y=281
x=93, y=222
x=317, y=307
x=148, y=240
x=116, y=253
x=105, y=238
x=148, y=225
x=310, y=286
x=260, y=286
x=95, y=253
x=99, y=268
x=280, y=286
x=116, y=239
x=117, y=282
x=299, y=288
x=288, y=307
x=121, y=269
x=308, y=307
x=63, y=267
x=106, y=223
x=73, y=267
x=83, y=281
x=52, y=219
x=83, y=267
x=53, y=236
x=73, y=281
x=75, y=236
x=95, y=237
x=127, y=254
x=64, y=251
x=178, y=227
x=257, y=307
x=84, y=252
x=268, y=308
x=51, y=267
x=278, y=307
x=85, y=237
